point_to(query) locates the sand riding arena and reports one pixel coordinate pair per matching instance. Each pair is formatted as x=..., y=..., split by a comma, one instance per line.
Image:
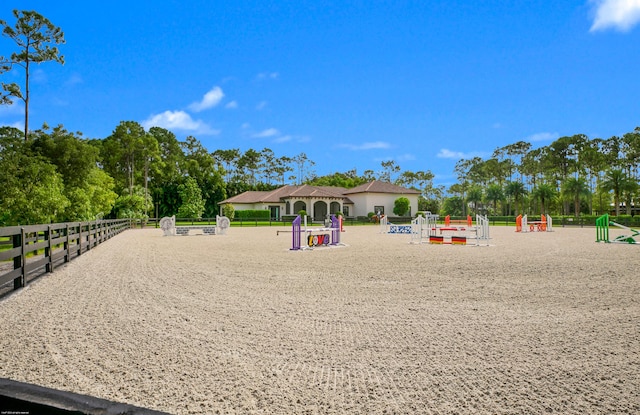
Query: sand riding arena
x=544, y=322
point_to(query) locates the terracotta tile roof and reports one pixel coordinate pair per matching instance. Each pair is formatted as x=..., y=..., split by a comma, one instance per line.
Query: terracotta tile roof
x=305, y=190
x=380, y=187
x=317, y=191
x=246, y=197
x=276, y=195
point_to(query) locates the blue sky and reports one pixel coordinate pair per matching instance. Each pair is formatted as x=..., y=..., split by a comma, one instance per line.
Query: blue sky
x=349, y=83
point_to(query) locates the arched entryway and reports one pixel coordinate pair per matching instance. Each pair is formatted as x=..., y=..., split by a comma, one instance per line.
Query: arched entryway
x=334, y=207
x=319, y=210
x=298, y=206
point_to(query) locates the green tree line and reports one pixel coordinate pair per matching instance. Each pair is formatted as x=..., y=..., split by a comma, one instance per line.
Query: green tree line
x=573, y=175
x=57, y=175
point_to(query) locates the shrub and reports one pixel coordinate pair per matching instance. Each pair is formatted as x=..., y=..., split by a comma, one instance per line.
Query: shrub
x=401, y=206
x=192, y=202
x=228, y=210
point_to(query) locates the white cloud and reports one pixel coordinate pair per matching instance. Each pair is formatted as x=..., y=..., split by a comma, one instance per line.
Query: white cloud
x=366, y=146
x=269, y=132
x=618, y=14
x=232, y=105
x=445, y=153
x=59, y=102
x=38, y=76
x=542, y=137
x=210, y=100
x=18, y=124
x=16, y=108
x=295, y=138
x=178, y=120
x=283, y=139
x=261, y=105
x=74, y=80
x=406, y=157
x=267, y=75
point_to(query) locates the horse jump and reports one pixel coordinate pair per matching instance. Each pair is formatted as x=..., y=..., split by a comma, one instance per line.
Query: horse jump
x=168, y=226
x=602, y=231
x=545, y=224
x=427, y=228
x=315, y=236
x=388, y=227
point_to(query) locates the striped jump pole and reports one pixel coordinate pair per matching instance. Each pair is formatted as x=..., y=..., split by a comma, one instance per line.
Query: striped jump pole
x=482, y=230
x=602, y=228
x=416, y=228
x=384, y=224
x=296, y=230
x=335, y=233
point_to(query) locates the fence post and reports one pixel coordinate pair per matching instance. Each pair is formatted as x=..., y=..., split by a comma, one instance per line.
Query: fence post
x=48, y=251
x=79, y=238
x=89, y=230
x=19, y=261
x=67, y=245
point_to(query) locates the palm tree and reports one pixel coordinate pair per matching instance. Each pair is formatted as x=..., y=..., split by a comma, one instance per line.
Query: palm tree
x=617, y=182
x=544, y=193
x=474, y=196
x=575, y=187
x=495, y=194
x=516, y=191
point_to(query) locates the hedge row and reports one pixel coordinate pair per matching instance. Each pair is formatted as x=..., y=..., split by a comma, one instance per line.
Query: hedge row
x=252, y=214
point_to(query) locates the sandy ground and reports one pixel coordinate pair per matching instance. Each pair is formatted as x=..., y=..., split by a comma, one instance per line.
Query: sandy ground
x=238, y=324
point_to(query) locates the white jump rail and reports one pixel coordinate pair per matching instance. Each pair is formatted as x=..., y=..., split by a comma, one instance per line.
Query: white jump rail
x=168, y=226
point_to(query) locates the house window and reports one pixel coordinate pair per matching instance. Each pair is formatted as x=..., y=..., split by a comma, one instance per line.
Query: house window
x=275, y=212
x=345, y=210
x=378, y=210
x=288, y=208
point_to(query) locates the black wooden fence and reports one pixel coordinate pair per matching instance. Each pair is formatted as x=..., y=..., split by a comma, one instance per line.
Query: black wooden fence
x=29, y=251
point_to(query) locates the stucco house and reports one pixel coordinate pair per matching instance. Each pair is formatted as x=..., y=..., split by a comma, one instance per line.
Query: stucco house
x=320, y=201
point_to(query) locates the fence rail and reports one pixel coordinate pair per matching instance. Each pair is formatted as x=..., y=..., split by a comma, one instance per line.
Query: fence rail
x=29, y=251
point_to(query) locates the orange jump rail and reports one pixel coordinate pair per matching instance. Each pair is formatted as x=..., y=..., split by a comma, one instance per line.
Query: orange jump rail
x=448, y=221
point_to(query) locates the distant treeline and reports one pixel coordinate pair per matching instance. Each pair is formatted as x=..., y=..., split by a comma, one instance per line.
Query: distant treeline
x=59, y=176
